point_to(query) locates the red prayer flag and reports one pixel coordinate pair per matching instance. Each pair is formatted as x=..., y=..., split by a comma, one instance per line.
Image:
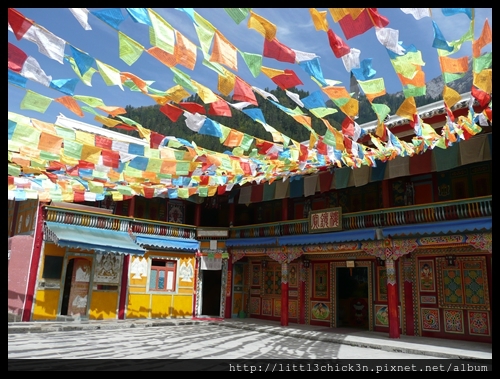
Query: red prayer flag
x=353, y=28
x=348, y=127
x=110, y=158
x=221, y=190
x=219, y=108
x=276, y=50
x=18, y=23
x=243, y=92
x=348, y=144
x=103, y=142
x=86, y=165
x=155, y=139
x=322, y=147
x=303, y=153
x=78, y=196
x=172, y=112
x=482, y=97
x=378, y=20
x=339, y=47
x=193, y=107
x=287, y=80
x=15, y=58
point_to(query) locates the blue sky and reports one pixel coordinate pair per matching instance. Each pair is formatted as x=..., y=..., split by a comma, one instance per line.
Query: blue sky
x=295, y=29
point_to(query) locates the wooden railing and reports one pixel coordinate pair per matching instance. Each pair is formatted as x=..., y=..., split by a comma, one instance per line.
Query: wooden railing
x=414, y=214
x=119, y=223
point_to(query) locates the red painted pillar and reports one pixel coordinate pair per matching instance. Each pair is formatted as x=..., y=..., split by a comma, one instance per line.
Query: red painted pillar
x=229, y=290
x=284, y=294
x=131, y=207
x=35, y=261
x=408, y=294
x=123, y=288
x=386, y=193
x=284, y=209
x=392, y=299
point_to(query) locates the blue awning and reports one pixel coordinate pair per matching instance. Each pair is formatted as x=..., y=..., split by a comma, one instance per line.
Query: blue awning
x=164, y=242
x=97, y=239
x=252, y=241
x=441, y=227
x=332, y=237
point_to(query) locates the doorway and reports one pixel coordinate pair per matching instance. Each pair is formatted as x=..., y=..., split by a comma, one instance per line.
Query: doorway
x=352, y=297
x=76, y=288
x=211, y=292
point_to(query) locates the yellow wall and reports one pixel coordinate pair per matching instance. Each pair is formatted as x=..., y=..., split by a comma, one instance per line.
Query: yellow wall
x=142, y=304
x=47, y=300
x=103, y=305
x=138, y=306
x=45, y=307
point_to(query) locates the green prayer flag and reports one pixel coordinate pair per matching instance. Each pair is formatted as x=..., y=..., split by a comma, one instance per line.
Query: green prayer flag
x=253, y=62
x=26, y=134
x=130, y=50
x=89, y=100
x=35, y=102
x=72, y=149
x=237, y=14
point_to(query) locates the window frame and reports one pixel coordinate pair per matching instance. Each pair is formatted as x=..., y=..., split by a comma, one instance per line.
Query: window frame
x=166, y=270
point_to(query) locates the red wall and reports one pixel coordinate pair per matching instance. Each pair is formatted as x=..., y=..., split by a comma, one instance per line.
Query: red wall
x=21, y=247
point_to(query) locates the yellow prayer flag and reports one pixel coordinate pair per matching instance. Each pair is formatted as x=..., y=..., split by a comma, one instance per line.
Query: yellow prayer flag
x=408, y=108
x=271, y=72
x=206, y=94
x=109, y=122
x=177, y=93
x=450, y=96
x=112, y=110
x=91, y=154
x=339, y=139
x=144, y=132
x=110, y=75
x=339, y=13
x=319, y=19
x=85, y=138
x=263, y=26
x=351, y=108
x=225, y=84
x=482, y=80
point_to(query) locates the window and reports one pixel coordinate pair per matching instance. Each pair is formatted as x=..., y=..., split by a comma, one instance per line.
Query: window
x=162, y=275
x=52, y=267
